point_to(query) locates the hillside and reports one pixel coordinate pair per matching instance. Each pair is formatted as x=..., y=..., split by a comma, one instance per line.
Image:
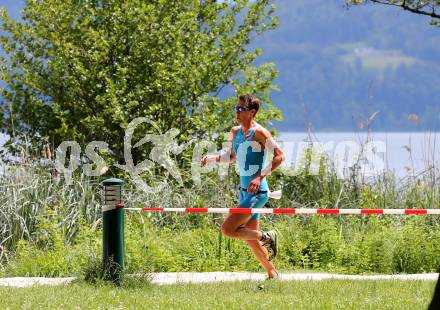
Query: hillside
x=341, y=65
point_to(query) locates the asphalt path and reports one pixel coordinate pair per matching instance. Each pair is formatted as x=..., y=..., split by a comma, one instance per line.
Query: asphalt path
x=163, y=278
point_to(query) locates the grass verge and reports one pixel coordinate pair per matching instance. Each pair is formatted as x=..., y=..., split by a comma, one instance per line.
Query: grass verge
x=326, y=294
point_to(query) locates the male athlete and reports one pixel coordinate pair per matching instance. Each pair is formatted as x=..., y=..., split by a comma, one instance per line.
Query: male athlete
x=250, y=145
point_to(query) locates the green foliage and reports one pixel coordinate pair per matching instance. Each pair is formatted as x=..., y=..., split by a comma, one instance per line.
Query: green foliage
x=374, y=245
x=151, y=248
x=399, y=77
x=48, y=254
x=65, y=237
x=83, y=70
x=93, y=272
x=33, y=200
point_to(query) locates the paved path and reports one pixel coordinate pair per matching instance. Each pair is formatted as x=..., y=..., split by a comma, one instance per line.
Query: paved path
x=204, y=277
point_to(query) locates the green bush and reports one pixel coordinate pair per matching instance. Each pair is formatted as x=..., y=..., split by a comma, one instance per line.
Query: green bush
x=53, y=229
x=49, y=254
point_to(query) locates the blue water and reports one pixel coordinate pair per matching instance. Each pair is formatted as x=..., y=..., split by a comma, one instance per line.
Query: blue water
x=405, y=153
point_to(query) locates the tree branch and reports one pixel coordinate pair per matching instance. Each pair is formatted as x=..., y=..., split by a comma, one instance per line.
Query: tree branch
x=408, y=7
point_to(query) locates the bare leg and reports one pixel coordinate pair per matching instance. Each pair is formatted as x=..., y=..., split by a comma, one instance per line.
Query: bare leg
x=241, y=226
x=235, y=227
x=260, y=252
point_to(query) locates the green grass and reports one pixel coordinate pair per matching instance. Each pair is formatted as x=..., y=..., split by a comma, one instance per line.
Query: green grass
x=49, y=228
x=326, y=294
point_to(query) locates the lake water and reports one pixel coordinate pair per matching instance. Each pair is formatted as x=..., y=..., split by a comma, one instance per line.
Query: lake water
x=406, y=153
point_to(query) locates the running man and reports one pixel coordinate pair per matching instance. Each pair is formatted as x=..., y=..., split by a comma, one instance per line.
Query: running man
x=250, y=145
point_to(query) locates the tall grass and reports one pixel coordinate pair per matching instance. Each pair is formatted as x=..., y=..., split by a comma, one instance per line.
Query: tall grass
x=30, y=195
x=43, y=220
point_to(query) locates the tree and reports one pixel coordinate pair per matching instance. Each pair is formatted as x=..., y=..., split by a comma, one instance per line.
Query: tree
x=429, y=8
x=83, y=69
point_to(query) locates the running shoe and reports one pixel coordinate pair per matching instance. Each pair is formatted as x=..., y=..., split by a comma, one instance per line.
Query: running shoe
x=271, y=246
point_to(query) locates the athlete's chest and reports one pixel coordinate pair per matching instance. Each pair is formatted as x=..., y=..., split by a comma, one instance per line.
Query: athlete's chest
x=245, y=141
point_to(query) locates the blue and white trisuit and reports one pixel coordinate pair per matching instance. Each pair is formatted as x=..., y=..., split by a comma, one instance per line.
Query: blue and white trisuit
x=251, y=159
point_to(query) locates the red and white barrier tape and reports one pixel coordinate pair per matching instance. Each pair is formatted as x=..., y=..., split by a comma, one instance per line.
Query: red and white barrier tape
x=287, y=210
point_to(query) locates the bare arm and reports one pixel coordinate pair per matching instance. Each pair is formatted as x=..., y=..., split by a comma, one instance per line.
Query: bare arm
x=276, y=162
x=225, y=157
x=264, y=137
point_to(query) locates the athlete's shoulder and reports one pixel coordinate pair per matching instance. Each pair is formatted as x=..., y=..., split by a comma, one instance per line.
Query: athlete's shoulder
x=262, y=132
x=233, y=132
x=235, y=129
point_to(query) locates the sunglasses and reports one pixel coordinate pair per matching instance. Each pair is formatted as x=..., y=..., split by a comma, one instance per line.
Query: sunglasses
x=241, y=109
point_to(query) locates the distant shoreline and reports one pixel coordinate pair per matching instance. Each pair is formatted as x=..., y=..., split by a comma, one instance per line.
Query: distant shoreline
x=363, y=131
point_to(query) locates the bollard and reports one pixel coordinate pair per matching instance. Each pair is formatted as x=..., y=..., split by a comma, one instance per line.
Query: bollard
x=113, y=230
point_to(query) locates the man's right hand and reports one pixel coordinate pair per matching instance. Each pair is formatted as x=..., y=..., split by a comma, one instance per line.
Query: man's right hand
x=208, y=159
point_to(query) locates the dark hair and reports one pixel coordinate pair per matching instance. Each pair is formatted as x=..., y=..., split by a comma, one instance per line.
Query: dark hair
x=252, y=102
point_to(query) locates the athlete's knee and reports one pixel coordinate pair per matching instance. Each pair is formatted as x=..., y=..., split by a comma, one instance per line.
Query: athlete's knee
x=228, y=230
